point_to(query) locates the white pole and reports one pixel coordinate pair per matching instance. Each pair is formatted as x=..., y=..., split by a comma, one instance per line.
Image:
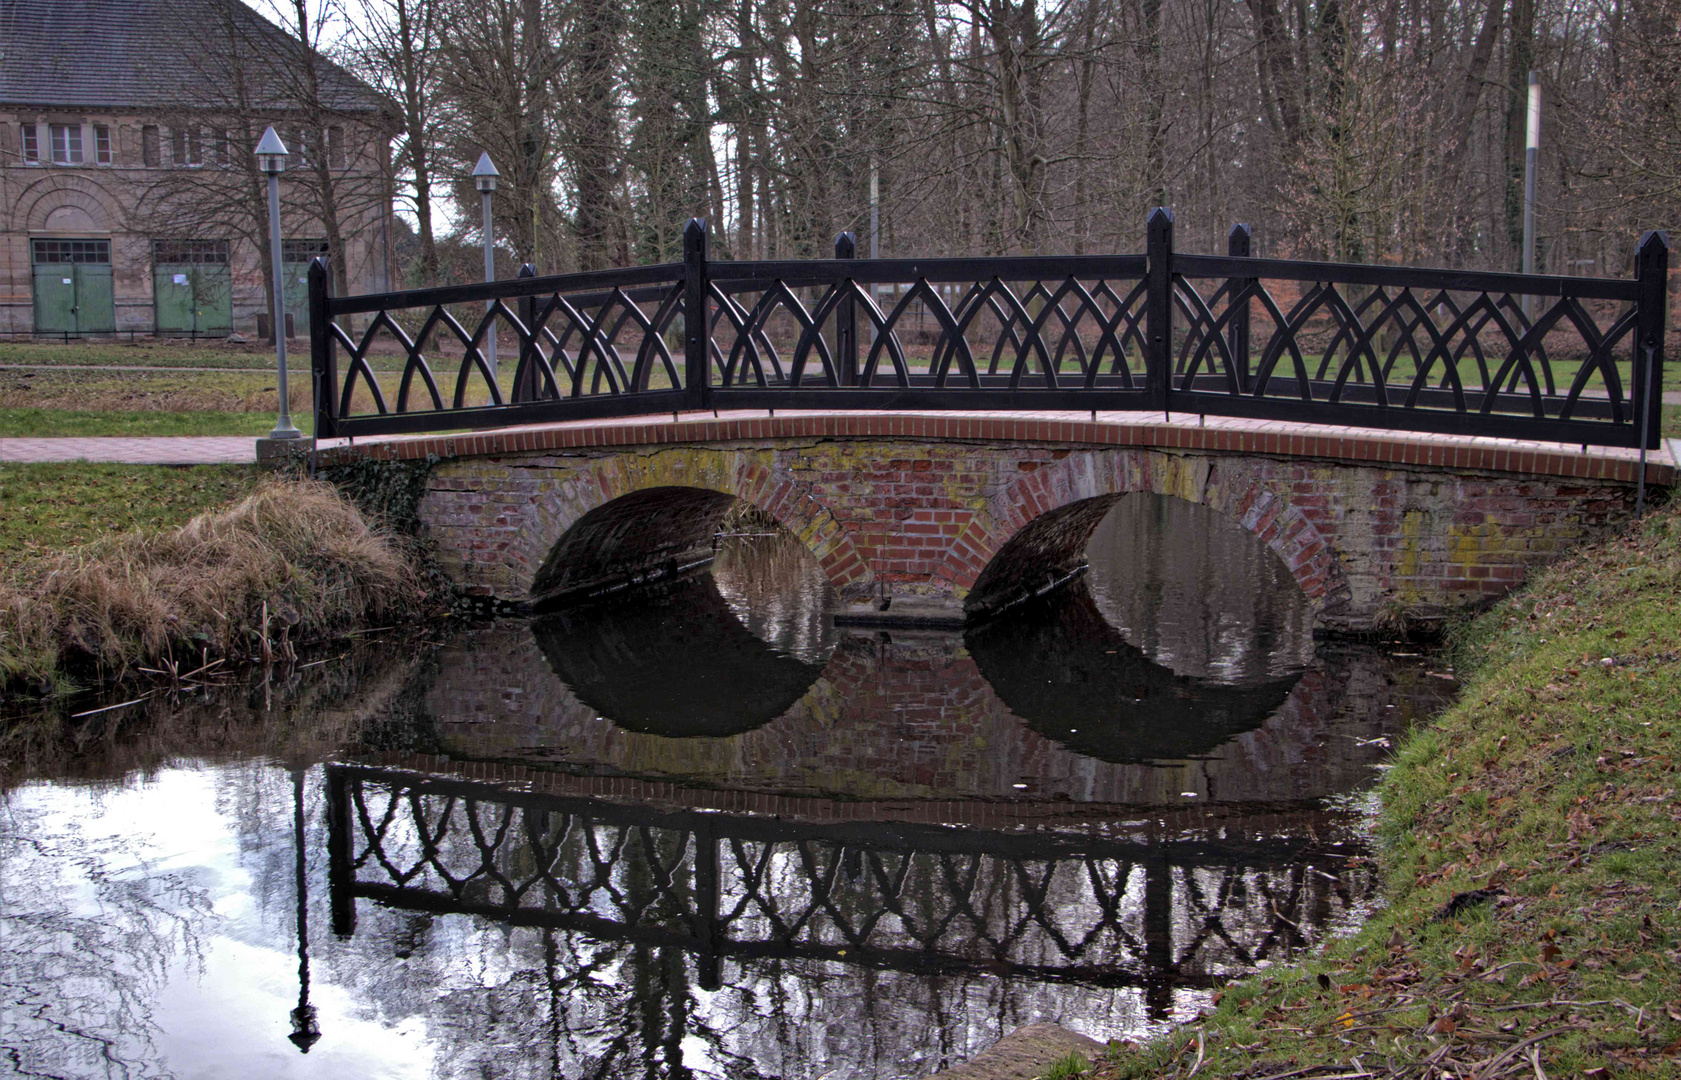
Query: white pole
x=1532, y=148
x=875, y=211
x=489, y=275
x=283, y=428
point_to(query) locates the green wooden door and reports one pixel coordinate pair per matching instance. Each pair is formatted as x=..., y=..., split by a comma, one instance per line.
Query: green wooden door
x=192, y=298
x=296, y=292
x=72, y=286
x=192, y=288
x=295, y=257
x=55, y=298
x=172, y=298
x=96, y=306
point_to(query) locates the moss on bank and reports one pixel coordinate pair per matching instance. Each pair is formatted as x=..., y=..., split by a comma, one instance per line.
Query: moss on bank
x=1548, y=794
x=291, y=562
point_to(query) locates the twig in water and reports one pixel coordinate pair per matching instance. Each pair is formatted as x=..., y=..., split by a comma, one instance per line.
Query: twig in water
x=108, y=708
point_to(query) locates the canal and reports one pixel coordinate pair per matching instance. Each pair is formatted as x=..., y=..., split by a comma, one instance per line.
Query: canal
x=703, y=831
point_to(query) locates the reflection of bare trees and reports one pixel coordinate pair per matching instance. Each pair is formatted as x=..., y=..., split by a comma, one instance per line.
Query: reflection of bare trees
x=1196, y=592
x=88, y=935
x=776, y=588
x=301, y=713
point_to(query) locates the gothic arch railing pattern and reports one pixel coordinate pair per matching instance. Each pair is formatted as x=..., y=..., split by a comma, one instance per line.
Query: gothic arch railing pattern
x=913, y=898
x=1575, y=360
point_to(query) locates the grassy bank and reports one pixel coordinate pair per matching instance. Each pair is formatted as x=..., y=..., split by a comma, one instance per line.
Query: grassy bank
x=52, y=506
x=290, y=562
x=1548, y=794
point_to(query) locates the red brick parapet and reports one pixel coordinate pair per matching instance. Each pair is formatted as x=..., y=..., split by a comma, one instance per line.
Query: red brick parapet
x=1363, y=445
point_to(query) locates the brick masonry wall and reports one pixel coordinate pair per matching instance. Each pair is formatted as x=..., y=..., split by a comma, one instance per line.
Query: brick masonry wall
x=913, y=720
x=925, y=515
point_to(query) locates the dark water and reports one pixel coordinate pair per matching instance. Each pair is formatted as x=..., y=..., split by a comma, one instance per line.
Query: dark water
x=705, y=833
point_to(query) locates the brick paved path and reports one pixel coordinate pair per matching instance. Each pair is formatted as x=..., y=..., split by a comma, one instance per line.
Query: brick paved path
x=174, y=450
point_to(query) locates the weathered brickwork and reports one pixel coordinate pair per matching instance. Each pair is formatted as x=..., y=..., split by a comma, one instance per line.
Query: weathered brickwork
x=980, y=520
x=911, y=720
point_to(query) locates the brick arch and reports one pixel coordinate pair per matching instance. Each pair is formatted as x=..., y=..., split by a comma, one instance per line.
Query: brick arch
x=57, y=190
x=651, y=509
x=1037, y=527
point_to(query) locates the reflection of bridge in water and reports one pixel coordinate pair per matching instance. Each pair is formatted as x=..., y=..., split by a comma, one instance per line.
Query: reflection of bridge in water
x=1104, y=909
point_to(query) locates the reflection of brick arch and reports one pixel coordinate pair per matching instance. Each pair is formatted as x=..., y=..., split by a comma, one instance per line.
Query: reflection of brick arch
x=57, y=190
x=673, y=511
x=1040, y=523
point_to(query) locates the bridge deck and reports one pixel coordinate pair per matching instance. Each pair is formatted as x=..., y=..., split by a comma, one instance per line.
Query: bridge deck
x=1180, y=431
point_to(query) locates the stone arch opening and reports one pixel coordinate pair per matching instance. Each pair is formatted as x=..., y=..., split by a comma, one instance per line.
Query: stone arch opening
x=620, y=521
x=638, y=537
x=1046, y=521
x=1196, y=592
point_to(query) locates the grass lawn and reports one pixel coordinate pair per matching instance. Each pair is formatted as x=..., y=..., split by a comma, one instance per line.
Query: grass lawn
x=166, y=352
x=45, y=423
x=48, y=507
x=1551, y=786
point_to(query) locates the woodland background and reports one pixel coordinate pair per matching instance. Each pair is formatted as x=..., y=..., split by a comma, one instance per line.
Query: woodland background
x=1366, y=130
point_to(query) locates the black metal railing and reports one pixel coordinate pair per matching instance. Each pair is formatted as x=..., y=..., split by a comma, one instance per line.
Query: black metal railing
x=928, y=899
x=1558, y=359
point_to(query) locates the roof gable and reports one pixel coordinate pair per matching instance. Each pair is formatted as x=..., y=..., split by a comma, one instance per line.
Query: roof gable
x=161, y=55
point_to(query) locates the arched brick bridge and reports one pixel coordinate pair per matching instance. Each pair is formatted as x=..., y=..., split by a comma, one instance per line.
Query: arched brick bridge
x=953, y=513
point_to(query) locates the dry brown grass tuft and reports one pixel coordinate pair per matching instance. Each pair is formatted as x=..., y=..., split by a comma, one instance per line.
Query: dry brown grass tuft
x=289, y=563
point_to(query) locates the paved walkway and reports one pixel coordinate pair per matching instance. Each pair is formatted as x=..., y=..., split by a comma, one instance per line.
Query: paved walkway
x=149, y=450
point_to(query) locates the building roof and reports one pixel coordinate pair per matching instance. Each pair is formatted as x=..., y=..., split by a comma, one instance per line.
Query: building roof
x=163, y=54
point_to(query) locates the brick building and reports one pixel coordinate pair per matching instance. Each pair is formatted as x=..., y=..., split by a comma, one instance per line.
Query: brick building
x=129, y=200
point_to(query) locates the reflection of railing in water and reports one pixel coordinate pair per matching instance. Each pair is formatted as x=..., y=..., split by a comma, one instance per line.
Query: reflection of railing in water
x=921, y=899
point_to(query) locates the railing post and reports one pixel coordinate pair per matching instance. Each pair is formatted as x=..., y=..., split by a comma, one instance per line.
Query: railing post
x=695, y=331
x=1237, y=246
x=1158, y=306
x=846, y=318
x=1651, y=269
x=322, y=355
x=526, y=386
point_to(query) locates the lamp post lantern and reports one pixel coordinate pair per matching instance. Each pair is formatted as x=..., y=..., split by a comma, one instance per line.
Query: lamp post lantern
x=484, y=177
x=271, y=160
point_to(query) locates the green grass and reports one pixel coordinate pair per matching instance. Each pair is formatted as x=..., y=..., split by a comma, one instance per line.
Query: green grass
x=167, y=352
x=55, y=423
x=48, y=507
x=144, y=351
x=1072, y=1067
x=1552, y=779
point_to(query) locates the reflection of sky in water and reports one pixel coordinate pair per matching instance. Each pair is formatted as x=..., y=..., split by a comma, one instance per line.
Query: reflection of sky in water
x=152, y=918
x=148, y=917
x=178, y=952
